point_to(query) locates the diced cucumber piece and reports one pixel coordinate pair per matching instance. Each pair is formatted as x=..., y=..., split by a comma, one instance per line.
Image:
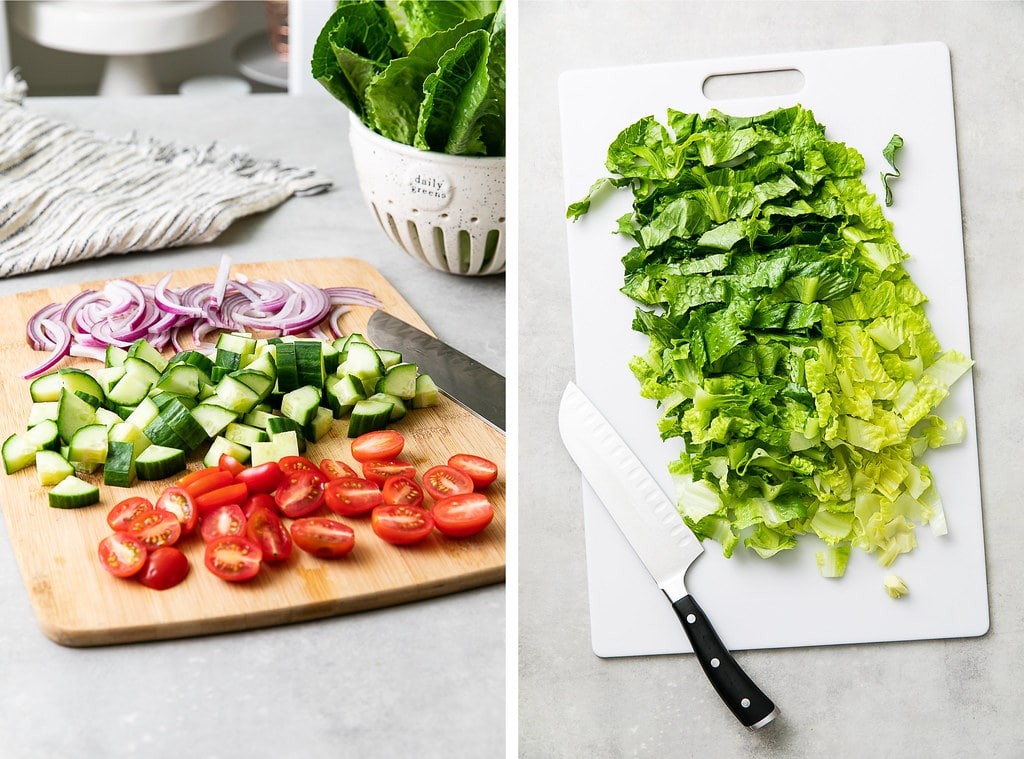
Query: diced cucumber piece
x=93, y=400
x=73, y=493
x=158, y=462
x=229, y=360
x=319, y=425
x=278, y=424
x=342, y=393
x=244, y=434
x=221, y=445
x=107, y=418
x=280, y=445
x=41, y=411
x=301, y=404
x=52, y=468
x=115, y=355
x=119, y=468
x=389, y=358
x=45, y=435
x=332, y=357
x=18, y=453
x=200, y=361
x=73, y=413
x=126, y=432
x=133, y=387
x=399, y=380
x=287, y=369
x=260, y=383
x=258, y=417
x=162, y=434
x=48, y=386
x=143, y=414
x=263, y=362
x=398, y=407
x=178, y=417
x=141, y=349
x=235, y=395
x=361, y=360
x=427, y=393
x=108, y=376
x=182, y=379
x=368, y=416
x=236, y=342
x=309, y=363
x=88, y=445
x=163, y=399
x=214, y=419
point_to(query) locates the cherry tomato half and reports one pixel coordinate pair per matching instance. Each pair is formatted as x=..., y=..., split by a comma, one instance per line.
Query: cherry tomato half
x=156, y=527
x=482, y=471
x=165, y=567
x=300, y=493
x=442, y=481
x=379, y=444
x=262, y=478
x=180, y=503
x=212, y=480
x=402, y=525
x=229, y=463
x=460, y=516
x=401, y=491
x=379, y=470
x=322, y=537
x=293, y=464
x=265, y=529
x=259, y=501
x=334, y=468
x=122, y=554
x=123, y=512
x=222, y=521
x=233, y=558
x=352, y=496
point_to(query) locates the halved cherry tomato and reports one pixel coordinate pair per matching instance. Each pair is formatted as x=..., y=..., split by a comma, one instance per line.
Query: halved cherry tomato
x=402, y=525
x=165, y=567
x=334, y=468
x=259, y=501
x=185, y=480
x=125, y=511
x=322, y=537
x=378, y=471
x=379, y=444
x=122, y=554
x=223, y=521
x=214, y=480
x=352, y=496
x=181, y=504
x=442, y=481
x=300, y=493
x=482, y=471
x=156, y=527
x=293, y=464
x=402, y=491
x=233, y=558
x=262, y=478
x=460, y=516
x=229, y=463
x=235, y=493
x=266, y=530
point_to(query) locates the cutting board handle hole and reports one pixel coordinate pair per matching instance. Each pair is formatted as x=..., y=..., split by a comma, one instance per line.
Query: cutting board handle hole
x=746, y=84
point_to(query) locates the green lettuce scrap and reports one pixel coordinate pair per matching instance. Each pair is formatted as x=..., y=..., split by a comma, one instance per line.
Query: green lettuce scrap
x=426, y=73
x=889, y=153
x=788, y=347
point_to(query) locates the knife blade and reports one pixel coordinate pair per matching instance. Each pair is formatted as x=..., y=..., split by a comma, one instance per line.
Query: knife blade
x=659, y=536
x=463, y=379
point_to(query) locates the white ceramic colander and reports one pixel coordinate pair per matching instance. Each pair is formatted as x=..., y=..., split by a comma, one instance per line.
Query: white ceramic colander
x=445, y=211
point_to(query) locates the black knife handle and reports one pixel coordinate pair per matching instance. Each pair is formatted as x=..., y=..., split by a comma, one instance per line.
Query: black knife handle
x=747, y=702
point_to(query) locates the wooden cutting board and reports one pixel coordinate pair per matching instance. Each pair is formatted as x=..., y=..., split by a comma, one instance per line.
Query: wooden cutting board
x=77, y=603
x=862, y=96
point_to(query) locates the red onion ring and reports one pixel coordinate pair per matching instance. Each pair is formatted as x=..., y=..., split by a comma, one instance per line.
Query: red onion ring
x=126, y=311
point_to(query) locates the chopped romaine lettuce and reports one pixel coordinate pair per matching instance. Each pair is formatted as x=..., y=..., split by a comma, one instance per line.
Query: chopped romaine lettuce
x=788, y=347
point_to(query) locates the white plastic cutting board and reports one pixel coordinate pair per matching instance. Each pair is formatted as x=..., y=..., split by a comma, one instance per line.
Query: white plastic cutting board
x=863, y=96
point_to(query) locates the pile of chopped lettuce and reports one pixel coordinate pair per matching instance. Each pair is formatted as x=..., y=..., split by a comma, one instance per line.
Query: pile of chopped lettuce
x=789, y=348
x=426, y=73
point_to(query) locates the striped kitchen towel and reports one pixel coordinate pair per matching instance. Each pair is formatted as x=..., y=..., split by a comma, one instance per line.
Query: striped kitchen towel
x=68, y=194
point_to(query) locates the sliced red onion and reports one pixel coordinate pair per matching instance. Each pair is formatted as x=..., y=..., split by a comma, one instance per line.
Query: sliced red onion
x=126, y=311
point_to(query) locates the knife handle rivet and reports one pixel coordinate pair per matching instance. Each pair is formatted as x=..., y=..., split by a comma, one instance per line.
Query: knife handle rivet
x=715, y=662
x=691, y=618
x=745, y=703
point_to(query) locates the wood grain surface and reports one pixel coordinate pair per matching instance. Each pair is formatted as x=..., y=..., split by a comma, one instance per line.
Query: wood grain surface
x=77, y=603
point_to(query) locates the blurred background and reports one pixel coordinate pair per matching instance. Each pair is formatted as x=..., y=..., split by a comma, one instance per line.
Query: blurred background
x=136, y=47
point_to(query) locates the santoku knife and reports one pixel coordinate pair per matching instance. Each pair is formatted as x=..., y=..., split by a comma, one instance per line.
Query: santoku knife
x=461, y=378
x=662, y=540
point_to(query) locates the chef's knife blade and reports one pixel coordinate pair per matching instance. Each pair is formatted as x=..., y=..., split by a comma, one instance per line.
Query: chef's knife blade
x=461, y=378
x=665, y=544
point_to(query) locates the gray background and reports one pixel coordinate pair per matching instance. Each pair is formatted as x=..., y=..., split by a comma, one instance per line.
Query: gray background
x=929, y=698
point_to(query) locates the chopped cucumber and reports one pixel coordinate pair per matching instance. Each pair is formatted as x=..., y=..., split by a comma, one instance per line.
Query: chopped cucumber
x=52, y=468
x=222, y=445
x=368, y=416
x=88, y=445
x=119, y=467
x=301, y=404
x=18, y=453
x=158, y=462
x=427, y=393
x=73, y=493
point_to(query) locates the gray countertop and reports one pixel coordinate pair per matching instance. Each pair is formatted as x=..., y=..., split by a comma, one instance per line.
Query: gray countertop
x=915, y=699
x=420, y=679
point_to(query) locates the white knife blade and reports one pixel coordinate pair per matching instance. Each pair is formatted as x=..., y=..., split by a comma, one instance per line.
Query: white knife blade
x=654, y=528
